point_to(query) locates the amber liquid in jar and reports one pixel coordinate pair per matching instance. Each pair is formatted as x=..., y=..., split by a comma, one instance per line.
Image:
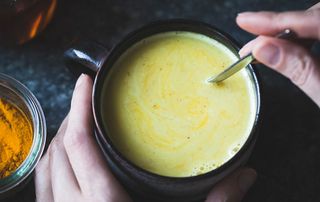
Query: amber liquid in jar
x=22, y=20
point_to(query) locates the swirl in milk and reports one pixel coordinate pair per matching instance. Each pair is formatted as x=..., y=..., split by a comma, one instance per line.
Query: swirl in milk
x=162, y=115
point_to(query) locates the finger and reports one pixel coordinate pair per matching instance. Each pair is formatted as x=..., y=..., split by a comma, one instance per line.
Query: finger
x=234, y=187
x=271, y=23
x=62, y=176
x=315, y=6
x=43, y=167
x=82, y=150
x=43, y=180
x=292, y=61
x=78, y=138
x=64, y=184
x=63, y=127
x=246, y=49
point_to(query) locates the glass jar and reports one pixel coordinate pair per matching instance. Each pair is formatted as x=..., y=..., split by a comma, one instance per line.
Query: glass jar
x=16, y=93
x=22, y=20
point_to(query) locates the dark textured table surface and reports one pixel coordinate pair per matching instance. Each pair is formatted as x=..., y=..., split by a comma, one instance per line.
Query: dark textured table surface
x=287, y=153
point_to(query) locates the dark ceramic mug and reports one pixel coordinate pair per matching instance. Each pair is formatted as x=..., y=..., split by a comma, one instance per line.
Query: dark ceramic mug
x=94, y=59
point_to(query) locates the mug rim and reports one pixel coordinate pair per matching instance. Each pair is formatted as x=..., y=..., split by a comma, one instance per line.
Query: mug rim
x=131, y=38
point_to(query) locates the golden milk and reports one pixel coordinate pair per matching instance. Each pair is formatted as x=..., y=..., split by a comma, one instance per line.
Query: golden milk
x=164, y=117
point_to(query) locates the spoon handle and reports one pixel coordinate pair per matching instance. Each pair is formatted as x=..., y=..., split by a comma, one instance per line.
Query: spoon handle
x=246, y=60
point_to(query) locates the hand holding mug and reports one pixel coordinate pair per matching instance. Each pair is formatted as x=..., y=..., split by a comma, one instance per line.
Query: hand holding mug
x=73, y=169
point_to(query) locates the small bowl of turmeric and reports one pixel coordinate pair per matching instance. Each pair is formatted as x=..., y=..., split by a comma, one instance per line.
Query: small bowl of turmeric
x=22, y=134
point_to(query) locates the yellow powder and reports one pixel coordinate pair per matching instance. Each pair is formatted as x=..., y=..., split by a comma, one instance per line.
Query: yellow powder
x=15, y=137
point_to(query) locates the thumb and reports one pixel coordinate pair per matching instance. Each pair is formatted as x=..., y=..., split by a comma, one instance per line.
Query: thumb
x=234, y=187
x=292, y=61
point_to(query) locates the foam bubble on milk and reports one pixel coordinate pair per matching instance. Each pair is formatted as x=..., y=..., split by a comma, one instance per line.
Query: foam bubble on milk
x=207, y=167
x=234, y=149
x=204, y=168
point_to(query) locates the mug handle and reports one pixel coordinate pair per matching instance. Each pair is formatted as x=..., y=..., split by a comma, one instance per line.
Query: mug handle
x=85, y=57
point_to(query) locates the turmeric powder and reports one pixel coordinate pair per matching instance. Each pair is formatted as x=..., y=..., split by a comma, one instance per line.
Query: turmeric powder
x=16, y=135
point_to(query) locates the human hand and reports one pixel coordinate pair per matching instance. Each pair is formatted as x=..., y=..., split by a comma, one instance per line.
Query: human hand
x=292, y=60
x=73, y=169
x=234, y=187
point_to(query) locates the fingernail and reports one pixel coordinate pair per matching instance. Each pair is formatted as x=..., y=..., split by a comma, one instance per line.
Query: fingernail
x=246, y=179
x=80, y=80
x=244, y=16
x=268, y=54
x=244, y=51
